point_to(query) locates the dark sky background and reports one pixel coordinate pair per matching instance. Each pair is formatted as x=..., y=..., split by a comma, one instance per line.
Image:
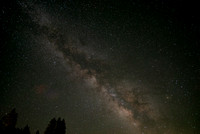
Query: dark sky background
x=106, y=67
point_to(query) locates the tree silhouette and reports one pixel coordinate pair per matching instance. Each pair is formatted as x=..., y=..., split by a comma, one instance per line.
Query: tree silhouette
x=56, y=127
x=37, y=132
x=26, y=130
x=51, y=127
x=60, y=129
x=8, y=123
x=10, y=119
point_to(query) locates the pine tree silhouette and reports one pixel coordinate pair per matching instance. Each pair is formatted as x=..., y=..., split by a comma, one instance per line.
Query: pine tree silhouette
x=10, y=119
x=51, y=127
x=37, y=132
x=61, y=128
x=56, y=127
x=8, y=123
x=26, y=130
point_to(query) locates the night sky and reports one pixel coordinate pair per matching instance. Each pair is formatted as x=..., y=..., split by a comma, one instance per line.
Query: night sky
x=106, y=67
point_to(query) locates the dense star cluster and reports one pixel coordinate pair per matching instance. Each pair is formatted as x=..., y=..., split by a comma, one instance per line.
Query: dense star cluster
x=106, y=67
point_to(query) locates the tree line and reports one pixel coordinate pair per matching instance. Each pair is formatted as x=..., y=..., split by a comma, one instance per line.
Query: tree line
x=8, y=125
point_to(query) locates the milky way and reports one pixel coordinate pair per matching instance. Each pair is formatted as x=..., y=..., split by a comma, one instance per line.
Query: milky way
x=101, y=75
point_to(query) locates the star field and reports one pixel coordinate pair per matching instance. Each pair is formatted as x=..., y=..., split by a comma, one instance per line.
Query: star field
x=105, y=67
